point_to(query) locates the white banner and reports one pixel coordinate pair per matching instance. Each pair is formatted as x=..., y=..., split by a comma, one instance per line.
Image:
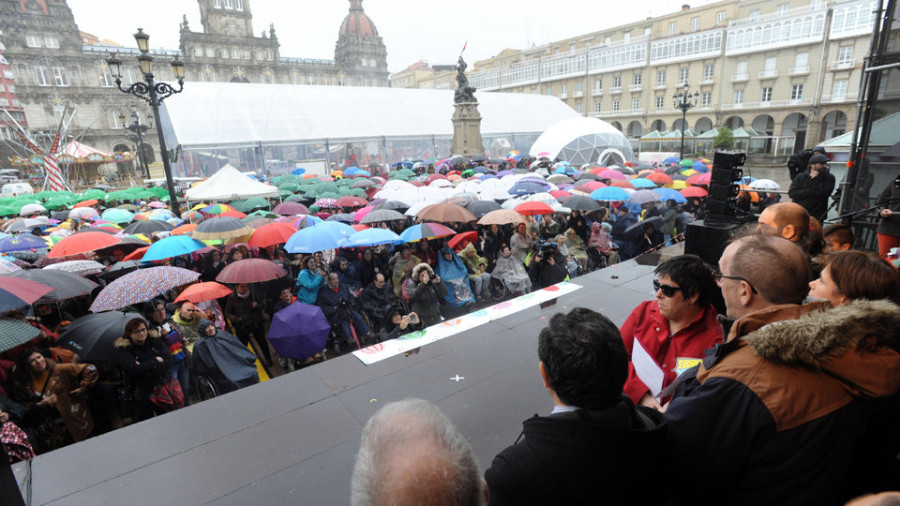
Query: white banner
x=447, y=328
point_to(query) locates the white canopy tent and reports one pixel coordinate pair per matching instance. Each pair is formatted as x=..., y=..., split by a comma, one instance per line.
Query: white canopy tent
x=229, y=184
x=582, y=140
x=234, y=115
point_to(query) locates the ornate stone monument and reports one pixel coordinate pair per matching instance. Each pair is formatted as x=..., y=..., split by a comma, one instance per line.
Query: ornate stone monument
x=466, y=119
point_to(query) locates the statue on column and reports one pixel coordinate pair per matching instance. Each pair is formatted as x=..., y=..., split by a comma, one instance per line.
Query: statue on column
x=464, y=92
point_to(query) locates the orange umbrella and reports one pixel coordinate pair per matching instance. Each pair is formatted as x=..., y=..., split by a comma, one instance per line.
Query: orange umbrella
x=622, y=184
x=136, y=254
x=659, y=178
x=184, y=229
x=271, y=234
x=202, y=292
x=82, y=242
x=87, y=203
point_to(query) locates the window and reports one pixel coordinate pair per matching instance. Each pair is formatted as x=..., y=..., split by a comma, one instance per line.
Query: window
x=801, y=60
x=106, y=80
x=239, y=4
x=781, y=10
x=228, y=4
x=564, y=90
x=695, y=24
x=636, y=79
x=683, y=75
x=845, y=54
x=797, y=92
x=51, y=41
x=771, y=63
x=217, y=4
x=754, y=15
x=579, y=87
x=9, y=74
x=626, y=37
x=198, y=51
x=10, y=88
x=766, y=95
x=839, y=91
x=598, y=84
x=572, y=47
x=578, y=108
x=661, y=77
x=720, y=16
x=224, y=52
x=32, y=41
x=738, y=97
x=617, y=83
x=59, y=76
x=635, y=104
x=548, y=89
x=211, y=52
x=660, y=102
x=741, y=68
x=706, y=99
x=245, y=54
x=112, y=118
x=647, y=31
x=672, y=28
x=597, y=107
x=708, y=71
x=817, y=4
x=615, y=107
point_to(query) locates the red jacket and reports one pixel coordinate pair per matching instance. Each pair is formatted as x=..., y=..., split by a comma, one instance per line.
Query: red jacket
x=652, y=330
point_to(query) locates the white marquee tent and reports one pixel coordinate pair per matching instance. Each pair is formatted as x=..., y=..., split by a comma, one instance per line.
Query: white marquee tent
x=229, y=184
x=582, y=140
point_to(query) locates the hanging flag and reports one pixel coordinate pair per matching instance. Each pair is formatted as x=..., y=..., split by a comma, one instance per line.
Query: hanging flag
x=464, y=48
x=54, y=179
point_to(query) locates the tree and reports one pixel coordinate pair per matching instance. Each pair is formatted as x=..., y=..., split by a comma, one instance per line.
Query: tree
x=724, y=139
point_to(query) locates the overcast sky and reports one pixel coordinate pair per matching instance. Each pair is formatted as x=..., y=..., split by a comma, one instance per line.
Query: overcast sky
x=412, y=30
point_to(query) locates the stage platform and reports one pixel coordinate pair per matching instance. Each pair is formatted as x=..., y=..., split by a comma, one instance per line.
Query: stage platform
x=292, y=440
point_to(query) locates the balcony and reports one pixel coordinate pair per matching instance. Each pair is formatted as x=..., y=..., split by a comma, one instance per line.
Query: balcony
x=636, y=87
x=578, y=94
x=739, y=78
x=768, y=74
x=843, y=64
x=563, y=96
x=799, y=71
x=616, y=89
x=597, y=93
x=660, y=86
x=835, y=99
x=708, y=80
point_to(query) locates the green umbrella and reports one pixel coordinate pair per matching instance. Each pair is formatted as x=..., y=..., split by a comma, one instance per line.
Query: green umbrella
x=256, y=203
x=259, y=214
x=159, y=191
x=92, y=194
x=8, y=211
x=329, y=195
x=326, y=187
x=295, y=198
x=239, y=205
x=289, y=187
x=285, y=194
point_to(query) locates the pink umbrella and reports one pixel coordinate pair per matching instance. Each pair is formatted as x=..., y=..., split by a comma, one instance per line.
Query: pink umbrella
x=611, y=174
x=157, y=205
x=701, y=179
x=290, y=209
x=359, y=215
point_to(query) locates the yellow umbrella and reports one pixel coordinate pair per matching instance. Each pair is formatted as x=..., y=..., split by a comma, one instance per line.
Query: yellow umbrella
x=677, y=185
x=199, y=206
x=689, y=172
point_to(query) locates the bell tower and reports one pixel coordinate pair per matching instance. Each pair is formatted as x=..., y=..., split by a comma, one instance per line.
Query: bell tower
x=226, y=17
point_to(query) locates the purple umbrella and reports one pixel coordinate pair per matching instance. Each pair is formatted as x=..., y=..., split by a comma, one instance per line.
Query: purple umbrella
x=299, y=331
x=290, y=209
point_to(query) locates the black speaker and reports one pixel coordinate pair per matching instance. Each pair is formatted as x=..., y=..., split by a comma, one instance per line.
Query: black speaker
x=721, y=203
x=707, y=239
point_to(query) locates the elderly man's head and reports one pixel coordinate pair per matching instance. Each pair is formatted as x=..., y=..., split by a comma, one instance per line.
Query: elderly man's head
x=188, y=311
x=333, y=280
x=759, y=271
x=785, y=219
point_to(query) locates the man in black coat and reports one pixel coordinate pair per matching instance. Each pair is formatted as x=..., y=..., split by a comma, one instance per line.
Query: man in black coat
x=339, y=306
x=596, y=447
x=378, y=298
x=812, y=188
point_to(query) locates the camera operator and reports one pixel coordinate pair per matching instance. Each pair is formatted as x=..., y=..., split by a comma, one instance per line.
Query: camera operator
x=548, y=267
x=339, y=307
x=889, y=228
x=397, y=324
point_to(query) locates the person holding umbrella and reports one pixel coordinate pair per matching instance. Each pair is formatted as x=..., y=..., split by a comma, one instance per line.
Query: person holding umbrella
x=223, y=359
x=310, y=281
x=147, y=364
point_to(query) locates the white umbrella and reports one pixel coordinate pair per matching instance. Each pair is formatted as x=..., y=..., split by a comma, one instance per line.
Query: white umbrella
x=80, y=267
x=29, y=209
x=764, y=184
x=440, y=183
x=84, y=213
x=418, y=206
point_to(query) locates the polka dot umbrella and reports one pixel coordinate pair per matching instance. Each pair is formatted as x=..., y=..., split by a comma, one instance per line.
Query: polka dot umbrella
x=140, y=286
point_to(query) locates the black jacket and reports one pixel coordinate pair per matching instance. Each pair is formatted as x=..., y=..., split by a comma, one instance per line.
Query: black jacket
x=812, y=192
x=331, y=302
x=613, y=456
x=890, y=198
x=377, y=302
x=142, y=371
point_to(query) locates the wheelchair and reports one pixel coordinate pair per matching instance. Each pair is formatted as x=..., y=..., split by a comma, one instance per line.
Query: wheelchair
x=203, y=387
x=498, y=289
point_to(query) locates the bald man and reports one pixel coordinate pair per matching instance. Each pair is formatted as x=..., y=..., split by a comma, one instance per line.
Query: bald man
x=785, y=219
x=779, y=403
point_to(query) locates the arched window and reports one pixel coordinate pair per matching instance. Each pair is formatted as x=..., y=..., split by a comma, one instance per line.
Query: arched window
x=49, y=71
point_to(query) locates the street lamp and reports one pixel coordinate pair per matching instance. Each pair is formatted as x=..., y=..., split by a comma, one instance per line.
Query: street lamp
x=154, y=93
x=139, y=130
x=685, y=101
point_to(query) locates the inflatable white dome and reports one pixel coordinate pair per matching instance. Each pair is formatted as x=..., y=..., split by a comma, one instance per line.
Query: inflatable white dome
x=584, y=140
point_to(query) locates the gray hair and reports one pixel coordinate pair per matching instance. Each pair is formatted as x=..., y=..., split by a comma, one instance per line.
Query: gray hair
x=412, y=454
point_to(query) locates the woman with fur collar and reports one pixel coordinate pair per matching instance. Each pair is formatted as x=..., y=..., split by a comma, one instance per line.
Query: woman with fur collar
x=146, y=362
x=425, y=294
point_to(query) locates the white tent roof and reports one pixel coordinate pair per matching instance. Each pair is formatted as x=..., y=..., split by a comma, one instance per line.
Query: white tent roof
x=209, y=115
x=229, y=184
x=582, y=140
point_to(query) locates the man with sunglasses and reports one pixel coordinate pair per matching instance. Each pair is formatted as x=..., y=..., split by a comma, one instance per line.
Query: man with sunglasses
x=668, y=335
x=775, y=415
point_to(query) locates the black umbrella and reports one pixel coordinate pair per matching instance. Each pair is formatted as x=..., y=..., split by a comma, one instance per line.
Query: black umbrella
x=66, y=285
x=458, y=160
x=674, y=169
x=579, y=203
x=342, y=217
x=586, y=176
x=92, y=336
x=481, y=207
x=631, y=231
x=127, y=245
x=147, y=227
x=60, y=215
x=393, y=205
x=478, y=158
x=119, y=269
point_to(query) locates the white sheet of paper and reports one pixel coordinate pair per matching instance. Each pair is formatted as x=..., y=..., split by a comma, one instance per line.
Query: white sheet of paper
x=646, y=368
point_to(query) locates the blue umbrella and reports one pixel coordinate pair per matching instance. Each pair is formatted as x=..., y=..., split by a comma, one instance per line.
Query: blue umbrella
x=299, y=331
x=116, y=215
x=672, y=159
x=298, y=171
x=372, y=237
x=640, y=182
x=700, y=166
x=352, y=171
x=173, y=246
x=21, y=242
x=527, y=188
x=320, y=237
x=668, y=193
x=610, y=193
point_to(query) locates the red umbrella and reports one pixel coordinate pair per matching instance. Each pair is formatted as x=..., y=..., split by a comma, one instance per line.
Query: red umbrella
x=701, y=179
x=202, y=292
x=533, y=208
x=622, y=184
x=136, y=254
x=558, y=194
x=359, y=227
x=251, y=270
x=184, y=229
x=350, y=201
x=694, y=191
x=87, y=203
x=590, y=186
x=271, y=234
x=434, y=177
x=233, y=214
x=460, y=241
x=82, y=242
x=660, y=178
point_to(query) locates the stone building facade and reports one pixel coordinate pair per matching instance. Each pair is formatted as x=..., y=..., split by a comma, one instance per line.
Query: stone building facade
x=56, y=66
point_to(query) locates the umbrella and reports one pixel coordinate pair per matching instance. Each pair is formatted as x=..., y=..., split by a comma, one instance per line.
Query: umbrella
x=147, y=227
x=764, y=184
x=305, y=221
x=93, y=336
x=381, y=215
x=579, y=203
x=694, y=191
x=250, y=270
x=140, y=286
x=215, y=209
x=446, y=213
x=17, y=292
x=21, y=242
x=641, y=197
x=640, y=182
x=481, y=207
x=184, y=229
x=84, y=214
x=7, y=266
x=659, y=178
x=202, y=292
x=459, y=241
x=349, y=201
x=700, y=179
x=79, y=267
x=156, y=205
x=290, y=209
x=24, y=225
x=528, y=187
x=221, y=228
x=136, y=254
x=500, y=217
x=341, y=217
x=326, y=203
x=15, y=333
x=254, y=203
x=29, y=209
x=394, y=205
x=426, y=231
x=670, y=194
x=656, y=221
x=610, y=174
x=371, y=237
x=299, y=341
x=65, y=285
x=120, y=269
x=533, y=208
x=82, y=242
x=116, y=215
x=172, y=246
x=610, y=193
x=271, y=234
x=320, y=237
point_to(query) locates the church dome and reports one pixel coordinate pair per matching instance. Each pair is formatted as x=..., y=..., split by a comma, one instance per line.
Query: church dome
x=357, y=24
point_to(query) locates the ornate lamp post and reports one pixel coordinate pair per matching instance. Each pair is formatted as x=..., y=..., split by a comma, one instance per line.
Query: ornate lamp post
x=154, y=93
x=685, y=101
x=138, y=130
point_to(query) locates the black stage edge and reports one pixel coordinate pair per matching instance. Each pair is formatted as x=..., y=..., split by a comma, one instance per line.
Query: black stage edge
x=292, y=440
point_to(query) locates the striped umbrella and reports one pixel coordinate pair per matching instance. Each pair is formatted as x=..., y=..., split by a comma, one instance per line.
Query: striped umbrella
x=140, y=286
x=426, y=231
x=221, y=228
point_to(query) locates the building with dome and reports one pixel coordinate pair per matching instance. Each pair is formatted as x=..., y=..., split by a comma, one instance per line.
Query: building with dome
x=58, y=69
